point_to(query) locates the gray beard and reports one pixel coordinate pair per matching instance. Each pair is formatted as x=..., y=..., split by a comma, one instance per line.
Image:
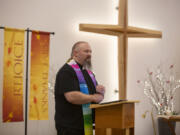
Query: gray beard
x=87, y=64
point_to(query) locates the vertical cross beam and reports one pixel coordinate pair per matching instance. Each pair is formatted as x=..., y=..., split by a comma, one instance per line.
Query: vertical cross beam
x=122, y=49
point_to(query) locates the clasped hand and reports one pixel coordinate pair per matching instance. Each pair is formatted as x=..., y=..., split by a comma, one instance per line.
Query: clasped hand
x=99, y=96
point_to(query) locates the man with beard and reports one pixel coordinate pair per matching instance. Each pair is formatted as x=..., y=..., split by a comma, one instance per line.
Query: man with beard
x=75, y=88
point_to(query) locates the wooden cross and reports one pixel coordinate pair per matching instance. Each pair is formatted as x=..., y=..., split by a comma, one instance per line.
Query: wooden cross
x=123, y=31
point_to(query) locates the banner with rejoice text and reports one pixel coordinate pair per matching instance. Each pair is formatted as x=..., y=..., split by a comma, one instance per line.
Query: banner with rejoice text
x=13, y=72
x=39, y=69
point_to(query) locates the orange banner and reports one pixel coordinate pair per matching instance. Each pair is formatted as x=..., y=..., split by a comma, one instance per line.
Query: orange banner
x=38, y=108
x=13, y=75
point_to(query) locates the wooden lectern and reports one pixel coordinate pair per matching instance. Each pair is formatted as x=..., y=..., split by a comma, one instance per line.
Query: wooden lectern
x=116, y=118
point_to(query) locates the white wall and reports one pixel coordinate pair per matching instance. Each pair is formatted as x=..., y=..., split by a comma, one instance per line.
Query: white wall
x=63, y=18
x=149, y=53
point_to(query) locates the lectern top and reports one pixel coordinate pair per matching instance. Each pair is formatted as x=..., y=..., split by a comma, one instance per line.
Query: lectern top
x=113, y=103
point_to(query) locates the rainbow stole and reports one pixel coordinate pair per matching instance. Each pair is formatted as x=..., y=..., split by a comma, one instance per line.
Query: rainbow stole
x=87, y=112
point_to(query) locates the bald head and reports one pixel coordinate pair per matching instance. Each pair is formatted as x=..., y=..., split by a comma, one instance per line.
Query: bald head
x=76, y=47
x=81, y=53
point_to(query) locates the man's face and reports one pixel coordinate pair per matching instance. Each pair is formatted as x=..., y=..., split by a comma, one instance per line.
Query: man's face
x=83, y=54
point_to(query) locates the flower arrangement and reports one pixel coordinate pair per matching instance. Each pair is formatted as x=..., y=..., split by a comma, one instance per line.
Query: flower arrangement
x=160, y=88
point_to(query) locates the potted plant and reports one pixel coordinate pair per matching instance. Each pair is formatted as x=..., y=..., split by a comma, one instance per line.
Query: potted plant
x=160, y=87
